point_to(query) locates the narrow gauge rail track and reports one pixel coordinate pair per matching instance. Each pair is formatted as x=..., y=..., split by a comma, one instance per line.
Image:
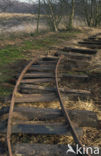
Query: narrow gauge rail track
x=30, y=98
x=30, y=89
x=93, y=42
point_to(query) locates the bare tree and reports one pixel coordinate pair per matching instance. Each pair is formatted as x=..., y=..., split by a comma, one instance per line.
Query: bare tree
x=4, y=4
x=92, y=12
x=38, y=18
x=71, y=19
x=54, y=11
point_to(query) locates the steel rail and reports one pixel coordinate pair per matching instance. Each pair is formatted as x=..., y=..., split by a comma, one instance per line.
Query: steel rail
x=67, y=117
x=9, y=126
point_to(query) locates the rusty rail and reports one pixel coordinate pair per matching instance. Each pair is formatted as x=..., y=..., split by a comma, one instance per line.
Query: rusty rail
x=12, y=106
x=68, y=120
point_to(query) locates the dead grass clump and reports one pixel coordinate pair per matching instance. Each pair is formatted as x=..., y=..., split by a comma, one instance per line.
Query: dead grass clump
x=54, y=105
x=12, y=15
x=91, y=137
x=95, y=64
x=80, y=105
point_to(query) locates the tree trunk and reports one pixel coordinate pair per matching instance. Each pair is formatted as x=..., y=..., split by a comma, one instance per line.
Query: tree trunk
x=38, y=19
x=53, y=16
x=72, y=15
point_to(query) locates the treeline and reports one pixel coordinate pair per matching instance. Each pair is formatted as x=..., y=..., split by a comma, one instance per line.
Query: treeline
x=14, y=6
x=58, y=10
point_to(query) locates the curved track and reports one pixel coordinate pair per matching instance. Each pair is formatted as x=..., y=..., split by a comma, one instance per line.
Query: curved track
x=39, y=82
x=12, y=105
x=55, y=77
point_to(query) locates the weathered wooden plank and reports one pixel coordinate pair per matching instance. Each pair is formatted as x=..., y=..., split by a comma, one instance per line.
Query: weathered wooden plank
x=75, y=65
x=82, y=51
x=76, y=76
x=43, y=62
x=38, y=129
x=82, y=117
x=51, y=75
x=76, y=61
x=75, y=91
x=70, y=63
x=36, y=98
x=95, y=36
x=75, y=56
x=39, y=75
x=41, y=68
x=42, y=150
x=43, y=65
x=46, y=150
x=98, y=38
x=93, y=46
x=30, y=89
x=49, y=58
x=93, y=40
x=36, y=81
x=90, y=42
x=34, y=89
x=75, y=98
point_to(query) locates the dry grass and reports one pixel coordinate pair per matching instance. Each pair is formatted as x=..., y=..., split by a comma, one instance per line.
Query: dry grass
x=91, y=136
x=95, y=64
x=80, y=105
x=19, y=15
x=17, y=22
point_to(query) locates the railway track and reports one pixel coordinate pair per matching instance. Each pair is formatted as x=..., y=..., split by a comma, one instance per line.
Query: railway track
x=40, y=82
x=93, y=42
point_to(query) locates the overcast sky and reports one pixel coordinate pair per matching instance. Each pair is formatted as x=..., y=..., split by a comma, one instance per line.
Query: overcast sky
x=23, y=0
x=26, y=0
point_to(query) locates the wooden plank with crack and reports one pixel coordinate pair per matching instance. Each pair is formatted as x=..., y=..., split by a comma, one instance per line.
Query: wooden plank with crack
x=31, y=98
x=83, y=118
x=40, y=129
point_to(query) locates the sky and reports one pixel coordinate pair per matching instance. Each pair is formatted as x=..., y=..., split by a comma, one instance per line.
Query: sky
x=25, y=0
